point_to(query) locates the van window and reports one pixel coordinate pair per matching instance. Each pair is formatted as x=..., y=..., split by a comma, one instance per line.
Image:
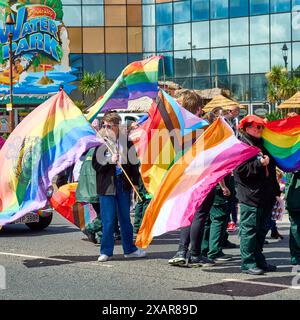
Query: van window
x=130, y=119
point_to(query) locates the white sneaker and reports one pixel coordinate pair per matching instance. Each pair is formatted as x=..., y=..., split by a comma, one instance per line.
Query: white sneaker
x=103, y=258
x=139, y=253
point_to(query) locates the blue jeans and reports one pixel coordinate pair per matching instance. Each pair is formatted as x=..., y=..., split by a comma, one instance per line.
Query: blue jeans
x=108, y=205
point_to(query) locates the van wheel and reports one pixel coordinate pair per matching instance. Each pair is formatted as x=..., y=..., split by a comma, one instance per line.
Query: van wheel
x=42, y=224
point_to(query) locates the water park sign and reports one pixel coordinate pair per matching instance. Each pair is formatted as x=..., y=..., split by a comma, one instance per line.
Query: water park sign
x=40, y=48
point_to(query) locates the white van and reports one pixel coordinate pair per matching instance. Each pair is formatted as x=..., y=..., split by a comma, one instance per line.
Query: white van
x=127, y=117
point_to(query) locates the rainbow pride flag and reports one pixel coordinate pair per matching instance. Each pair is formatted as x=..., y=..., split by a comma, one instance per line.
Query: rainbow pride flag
x=50, y=139
x=282, y=140
x=215, y=154
x=169, y=130
x=139, y=79
x=64, y=202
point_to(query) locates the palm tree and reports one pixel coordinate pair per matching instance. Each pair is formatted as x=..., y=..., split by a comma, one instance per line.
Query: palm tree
x=91, y=83
x=280, y=86
x=276, y=79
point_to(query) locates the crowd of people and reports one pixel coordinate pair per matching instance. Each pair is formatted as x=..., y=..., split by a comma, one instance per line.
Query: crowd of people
x=251, y=190
x=107, y=178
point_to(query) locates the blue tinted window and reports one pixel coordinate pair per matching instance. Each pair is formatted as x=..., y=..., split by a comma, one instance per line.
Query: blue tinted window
x=134, y=57
x=115, y=63
x=220, y=61
x=200, y=34
x=296, y=56
x=182, y=63
x=259, y=6
x=92, y=1
x=200, y=10
x=240, y=87
x=259, y=59
x=200, y=62
x=201, y=83
x=259, y=29
x=164, y=38
x=295, y=3
x=164, y=13
x=182, y=36
x=239, y=28
x=149, y=39
x=76, y=62
x=72, y=16
x=238, y=8
x=148, y=1
x=149, y=15
x=182, y=11
x=280, y=5
x=71, y=1
x=93, y=62
x=92, y=16
x=258, y=87
x=280, y=27
x=218, y=9
x=168, y=67
x=219, y=33
x=239, y=60
x=277, y=56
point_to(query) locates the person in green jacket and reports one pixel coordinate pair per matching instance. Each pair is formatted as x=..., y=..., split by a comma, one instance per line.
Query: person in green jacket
x=86, y=192
x=292, y=196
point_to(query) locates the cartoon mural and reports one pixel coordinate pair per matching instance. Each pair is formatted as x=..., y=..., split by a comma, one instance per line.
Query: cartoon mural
x=40, y=46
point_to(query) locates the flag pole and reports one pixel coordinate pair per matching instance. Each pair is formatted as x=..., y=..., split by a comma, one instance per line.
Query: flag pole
x=126, y=175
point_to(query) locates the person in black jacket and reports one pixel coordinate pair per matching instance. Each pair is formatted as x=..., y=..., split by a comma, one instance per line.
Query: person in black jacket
x=257, y=189
x=110, y=160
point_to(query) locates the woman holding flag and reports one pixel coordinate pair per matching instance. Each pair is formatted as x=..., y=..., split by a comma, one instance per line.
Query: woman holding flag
x=116, y=173
x=257, y=189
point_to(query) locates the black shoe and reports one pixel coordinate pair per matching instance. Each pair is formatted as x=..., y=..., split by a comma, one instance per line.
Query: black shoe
x=195, y=261
x=254, y=271
x=229, y=245
x=269, y=268
x=90, y=235
x=266, y=242
x=206, y=262
x=275, y=234
x=178, y=259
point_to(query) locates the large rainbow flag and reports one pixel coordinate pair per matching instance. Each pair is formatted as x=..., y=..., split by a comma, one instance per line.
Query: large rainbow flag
x=50, y=139
x=213, y=156
x=169, y=130
x=139, y=79
x=282, y=140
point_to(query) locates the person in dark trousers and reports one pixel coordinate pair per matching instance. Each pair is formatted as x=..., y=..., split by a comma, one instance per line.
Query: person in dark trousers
x=110, y=160
x=293, y=207
x=193, y=234
x=216, y=223
x=257, y=189
x=141, y=206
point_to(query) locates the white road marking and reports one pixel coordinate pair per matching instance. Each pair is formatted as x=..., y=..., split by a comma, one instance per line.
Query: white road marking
x=268, y=284
x=53, y=259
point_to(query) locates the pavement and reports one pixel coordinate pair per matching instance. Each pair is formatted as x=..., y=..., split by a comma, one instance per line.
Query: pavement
x=58, y=264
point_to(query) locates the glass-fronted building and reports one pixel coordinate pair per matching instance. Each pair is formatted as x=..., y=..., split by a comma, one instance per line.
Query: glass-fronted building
x=206, y=43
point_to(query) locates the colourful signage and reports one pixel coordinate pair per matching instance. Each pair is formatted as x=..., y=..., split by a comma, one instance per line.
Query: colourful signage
x=40, y=47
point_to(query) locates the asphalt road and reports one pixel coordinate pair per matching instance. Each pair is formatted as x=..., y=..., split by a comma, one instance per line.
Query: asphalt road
x=57, y=264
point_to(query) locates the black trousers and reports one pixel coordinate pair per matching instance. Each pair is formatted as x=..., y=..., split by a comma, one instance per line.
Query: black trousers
x=193, y=234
